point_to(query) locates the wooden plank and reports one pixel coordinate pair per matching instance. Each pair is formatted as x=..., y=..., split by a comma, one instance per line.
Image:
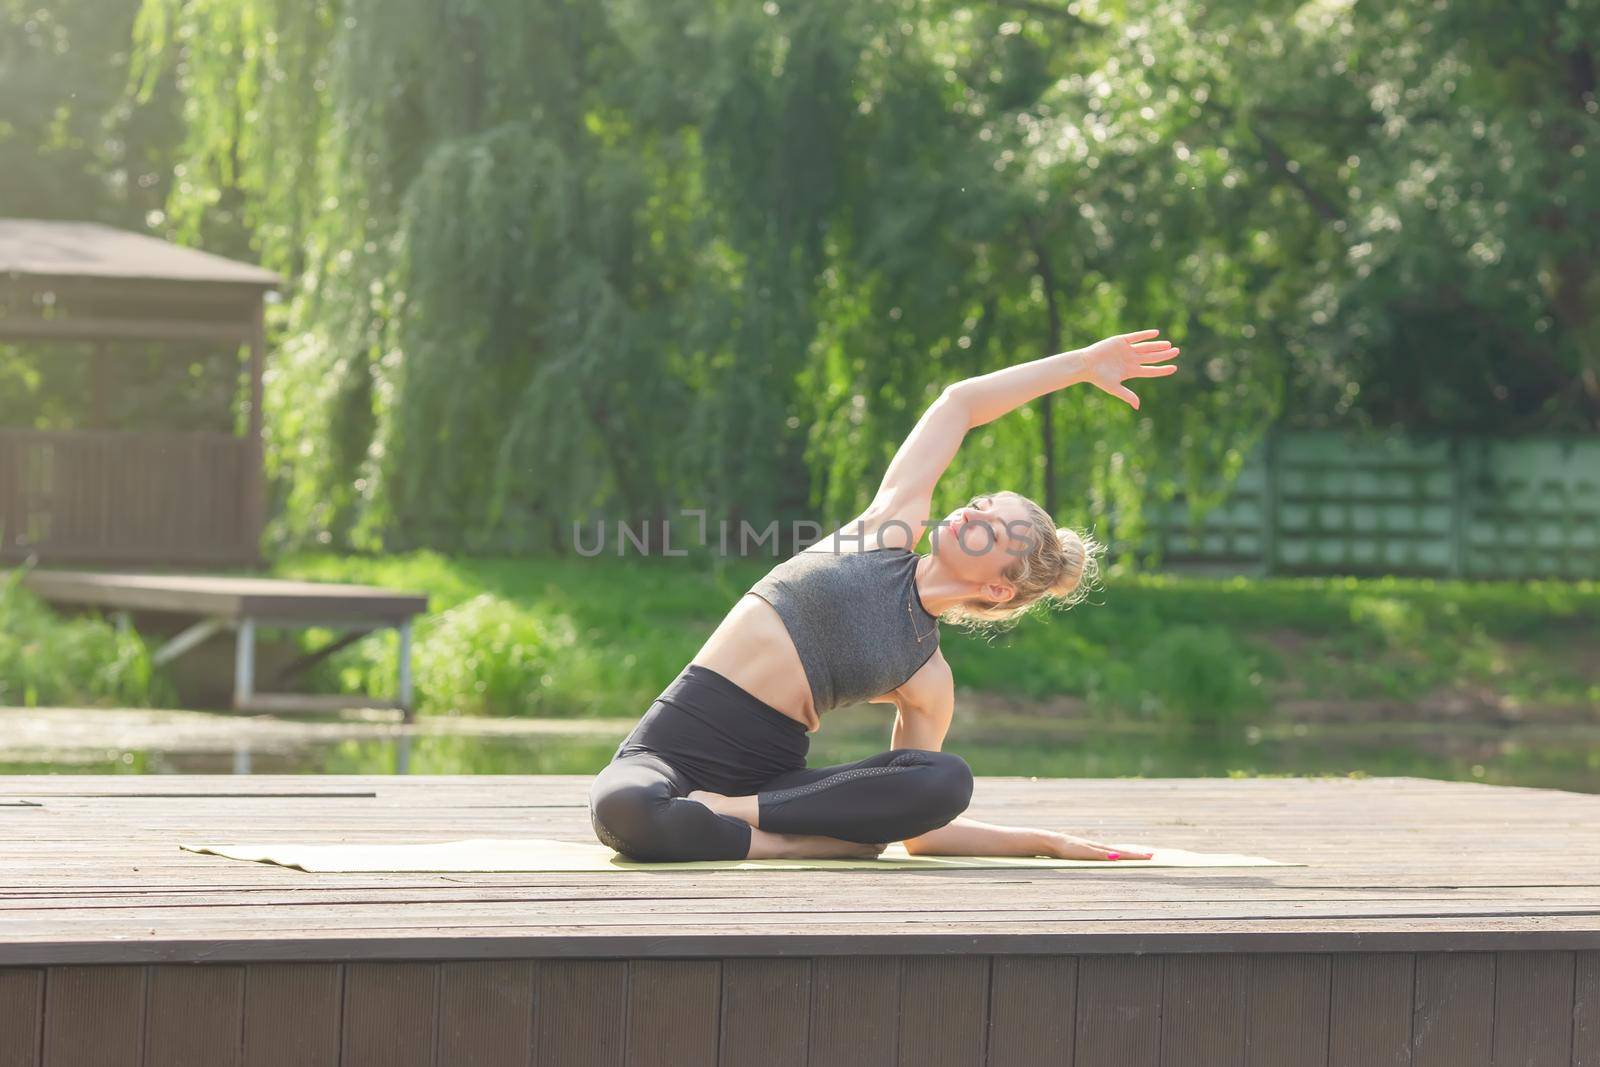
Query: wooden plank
x=673, y=1013
x=1032, y=1010
x=1370, y=1009
x=252, y=506
x=579, y=1018
x=1533, y=1004
x=50, y=248
x=56, y=928
x=486, y=1013
x=850, y=995
x=1586, y=1010
x=1205, y=1003
x=94, y=1015
x=574, y=941
x=391, y=1013
x=88, y=919
x=225, y=596
x=1454, y=1010
x=292, y=1014
x=21, y=1015
x=1119, y=1010
x=944, y=1008
x=122, y=329
x=254, y=792
x=187, y=300
x=194, y=1015
x=103, y=494
x=766, y=1005
x=1289, y=998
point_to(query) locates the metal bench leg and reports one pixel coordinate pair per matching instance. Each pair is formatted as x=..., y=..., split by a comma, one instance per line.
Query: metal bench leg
x=184, y=641
x=404, y=694
x=244, y=663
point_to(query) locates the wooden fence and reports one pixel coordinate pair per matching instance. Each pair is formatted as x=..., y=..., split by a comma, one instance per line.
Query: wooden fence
x=1306, y=502
x=115, y=497
x=1334, y=502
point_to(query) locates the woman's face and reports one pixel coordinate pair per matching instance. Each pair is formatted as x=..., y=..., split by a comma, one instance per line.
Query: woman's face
x=980, y=541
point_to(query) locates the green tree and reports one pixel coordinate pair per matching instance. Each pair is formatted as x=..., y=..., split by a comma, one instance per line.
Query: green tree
x=560, y=258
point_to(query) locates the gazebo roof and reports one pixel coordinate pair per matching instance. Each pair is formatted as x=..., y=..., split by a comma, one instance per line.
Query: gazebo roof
x=40, y=248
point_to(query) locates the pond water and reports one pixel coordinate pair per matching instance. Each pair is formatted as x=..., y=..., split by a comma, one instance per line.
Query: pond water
x=31, y=742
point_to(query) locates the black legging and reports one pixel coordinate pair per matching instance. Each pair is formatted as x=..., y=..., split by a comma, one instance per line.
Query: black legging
x=704, y=732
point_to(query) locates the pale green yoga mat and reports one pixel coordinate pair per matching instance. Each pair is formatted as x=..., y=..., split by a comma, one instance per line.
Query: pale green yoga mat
x=532, y=854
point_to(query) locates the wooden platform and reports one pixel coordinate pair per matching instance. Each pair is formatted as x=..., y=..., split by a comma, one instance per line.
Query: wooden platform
x=240, y=604
x=1435, y=923
x=267, y=600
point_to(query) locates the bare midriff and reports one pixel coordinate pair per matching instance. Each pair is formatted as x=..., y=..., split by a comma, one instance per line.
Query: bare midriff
x=752, y=649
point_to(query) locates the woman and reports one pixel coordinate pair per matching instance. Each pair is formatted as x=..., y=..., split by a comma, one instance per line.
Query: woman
x=715, y=770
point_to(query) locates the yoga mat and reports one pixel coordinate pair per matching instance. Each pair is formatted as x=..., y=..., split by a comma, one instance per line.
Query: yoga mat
x=531, y=854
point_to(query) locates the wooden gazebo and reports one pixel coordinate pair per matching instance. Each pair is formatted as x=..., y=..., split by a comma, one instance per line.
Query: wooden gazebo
x=148, y=496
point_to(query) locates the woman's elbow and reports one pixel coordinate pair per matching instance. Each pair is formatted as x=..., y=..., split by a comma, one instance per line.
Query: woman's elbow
x=957, y=397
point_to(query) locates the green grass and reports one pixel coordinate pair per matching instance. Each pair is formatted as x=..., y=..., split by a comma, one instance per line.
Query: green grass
x=538, y=637
x=603, y=636
x=1212, y=648
x=48, y=659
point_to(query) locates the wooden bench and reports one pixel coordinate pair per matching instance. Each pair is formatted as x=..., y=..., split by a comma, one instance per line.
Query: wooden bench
x=242, y=604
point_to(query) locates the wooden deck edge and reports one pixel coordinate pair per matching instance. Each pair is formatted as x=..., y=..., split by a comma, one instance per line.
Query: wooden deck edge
x=340, y=950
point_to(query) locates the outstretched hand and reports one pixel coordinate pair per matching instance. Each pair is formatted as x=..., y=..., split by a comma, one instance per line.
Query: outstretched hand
x=1119, y=357
x=1067, y=847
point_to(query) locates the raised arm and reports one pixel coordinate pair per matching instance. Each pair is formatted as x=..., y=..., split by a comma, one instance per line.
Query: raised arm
x=1104, y=364
x=906, y=493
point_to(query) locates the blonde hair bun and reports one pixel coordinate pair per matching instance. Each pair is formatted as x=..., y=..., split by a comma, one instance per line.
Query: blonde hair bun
x=1080, y=551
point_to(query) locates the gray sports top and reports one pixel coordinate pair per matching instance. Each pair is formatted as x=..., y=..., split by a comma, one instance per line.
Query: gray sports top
x=855, y=619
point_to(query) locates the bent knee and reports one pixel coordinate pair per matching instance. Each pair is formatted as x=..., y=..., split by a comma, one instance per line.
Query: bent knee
x=625, y=814
x=952, y=782
x=944, y=779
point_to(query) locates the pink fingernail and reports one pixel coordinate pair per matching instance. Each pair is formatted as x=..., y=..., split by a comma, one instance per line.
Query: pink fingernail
x=1113, y=855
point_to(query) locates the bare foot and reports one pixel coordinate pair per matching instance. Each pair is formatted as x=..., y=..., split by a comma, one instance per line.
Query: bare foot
x=708, y=798
x=745, y=809
x=764, y=845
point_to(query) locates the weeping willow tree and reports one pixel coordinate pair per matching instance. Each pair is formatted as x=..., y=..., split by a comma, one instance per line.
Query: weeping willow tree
x=1042, y=210
x=557, y=259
